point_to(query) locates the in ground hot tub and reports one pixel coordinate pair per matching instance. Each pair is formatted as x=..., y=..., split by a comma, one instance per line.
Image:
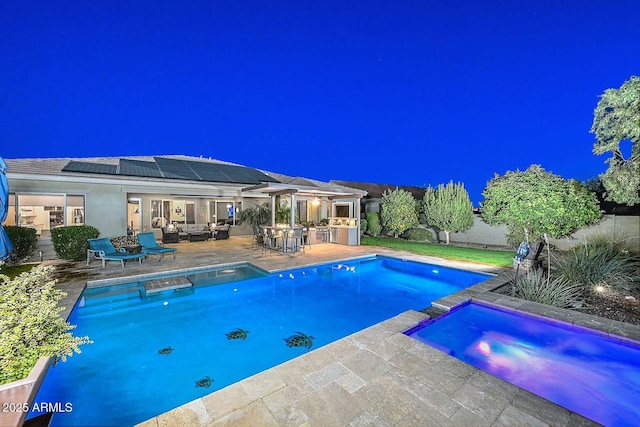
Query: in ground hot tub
x=585, y=371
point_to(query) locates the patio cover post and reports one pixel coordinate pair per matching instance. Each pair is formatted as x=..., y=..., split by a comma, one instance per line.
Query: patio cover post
x=273, y=210
x=293, y=204
x=357, y=208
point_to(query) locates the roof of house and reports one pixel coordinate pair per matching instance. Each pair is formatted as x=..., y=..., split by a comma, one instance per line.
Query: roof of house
x=161, y=167
x=375, y=191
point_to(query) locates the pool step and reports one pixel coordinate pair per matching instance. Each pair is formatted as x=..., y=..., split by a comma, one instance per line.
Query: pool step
x=152, y=287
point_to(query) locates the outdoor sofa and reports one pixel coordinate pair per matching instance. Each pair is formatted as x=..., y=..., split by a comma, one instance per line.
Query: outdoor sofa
x=190, y=232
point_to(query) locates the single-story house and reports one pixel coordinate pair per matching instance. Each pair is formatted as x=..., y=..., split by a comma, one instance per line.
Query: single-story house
x=144, y=193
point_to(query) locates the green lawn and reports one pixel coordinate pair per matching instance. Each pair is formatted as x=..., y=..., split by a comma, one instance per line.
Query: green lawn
x=484, y=256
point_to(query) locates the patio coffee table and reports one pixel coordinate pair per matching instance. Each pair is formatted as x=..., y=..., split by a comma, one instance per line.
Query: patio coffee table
x=198, y=236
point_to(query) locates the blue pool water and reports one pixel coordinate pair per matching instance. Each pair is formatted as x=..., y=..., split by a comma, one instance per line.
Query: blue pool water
x=579, y=369
x=122, y=379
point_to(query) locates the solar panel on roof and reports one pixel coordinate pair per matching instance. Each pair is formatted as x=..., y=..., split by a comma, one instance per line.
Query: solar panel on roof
x=219, y=172
x=245, y=175
x=87, y=167
x=259, y=176
x=236, y=174
x=208, y=172
x=139, y=168
x=177, y=169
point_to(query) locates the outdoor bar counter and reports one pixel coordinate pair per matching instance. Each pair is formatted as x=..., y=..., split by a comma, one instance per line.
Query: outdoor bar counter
x=343, y=231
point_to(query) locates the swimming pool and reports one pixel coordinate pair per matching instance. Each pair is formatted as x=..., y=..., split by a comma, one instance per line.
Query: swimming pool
x=580, y=369
x=154, y=353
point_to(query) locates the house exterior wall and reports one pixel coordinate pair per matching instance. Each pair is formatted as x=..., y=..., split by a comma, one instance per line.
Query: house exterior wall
x=106, y=210
x=105, y=205
x=106, y=200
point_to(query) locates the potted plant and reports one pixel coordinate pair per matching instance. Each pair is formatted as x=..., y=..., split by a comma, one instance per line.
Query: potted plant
x=32, y=334
x=257, y=215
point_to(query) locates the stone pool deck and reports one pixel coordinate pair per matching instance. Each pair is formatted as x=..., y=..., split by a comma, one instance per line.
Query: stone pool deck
x=377, y=376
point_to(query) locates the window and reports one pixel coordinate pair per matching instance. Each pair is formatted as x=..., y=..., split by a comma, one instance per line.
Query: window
x=75, y=210
x=178, y=212
x=44, y=212
x=342, y=210
x=157, y=220
x=227, y=211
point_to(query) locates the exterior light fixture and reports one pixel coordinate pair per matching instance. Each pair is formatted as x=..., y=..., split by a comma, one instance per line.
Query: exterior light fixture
x=315, y=201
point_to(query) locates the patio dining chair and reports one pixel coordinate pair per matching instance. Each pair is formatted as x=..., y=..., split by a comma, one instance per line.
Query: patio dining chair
x=306, y=237
x=151, y=247
x=297, y=239
x=270, y=240
x=103, y=249
x=256, y=242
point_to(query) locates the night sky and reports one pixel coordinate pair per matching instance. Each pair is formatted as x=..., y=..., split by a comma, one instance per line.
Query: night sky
x=394, y=92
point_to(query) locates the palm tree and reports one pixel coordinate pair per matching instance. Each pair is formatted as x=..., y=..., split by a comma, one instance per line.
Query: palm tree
x=258, y=215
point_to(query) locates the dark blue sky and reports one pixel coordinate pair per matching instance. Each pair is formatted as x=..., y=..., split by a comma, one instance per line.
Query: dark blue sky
x=401, y=92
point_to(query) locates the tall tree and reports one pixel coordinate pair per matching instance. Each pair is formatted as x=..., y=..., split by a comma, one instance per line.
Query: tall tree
x=617, y=119
x=536, y=202
x=448, y=208
x=399, y=211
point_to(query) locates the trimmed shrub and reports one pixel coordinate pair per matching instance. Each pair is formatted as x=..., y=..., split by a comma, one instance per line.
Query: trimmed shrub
x=558, y=292
x=601, y=261
x=24, y=241
x=30, y=323
x=398, y=211
x=373, y=222
x=448, y=208
x=363, y=225
x=70, y=243
x=418, y=235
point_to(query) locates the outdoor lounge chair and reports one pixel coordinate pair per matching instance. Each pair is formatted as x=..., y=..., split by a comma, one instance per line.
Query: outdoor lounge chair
x=222, y=233
x=170, y=236
x=104, y=250
x=151, y=247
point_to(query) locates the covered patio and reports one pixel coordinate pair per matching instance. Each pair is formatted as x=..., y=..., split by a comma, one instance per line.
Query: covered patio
x=339, y=206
